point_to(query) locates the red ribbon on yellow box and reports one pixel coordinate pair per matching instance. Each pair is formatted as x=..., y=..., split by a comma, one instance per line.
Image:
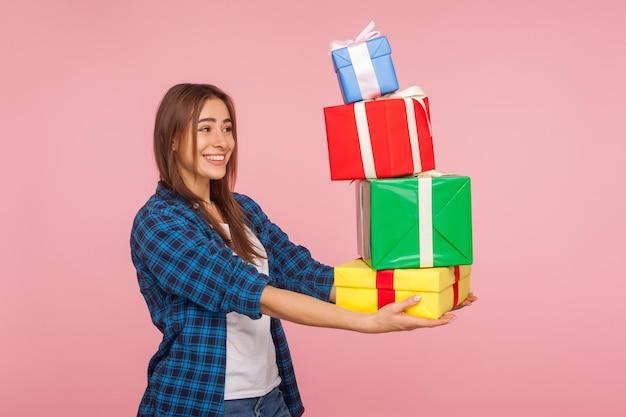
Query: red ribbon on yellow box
x=387, y=295
x=384, y=285
x=360, y=288
x=455, y=286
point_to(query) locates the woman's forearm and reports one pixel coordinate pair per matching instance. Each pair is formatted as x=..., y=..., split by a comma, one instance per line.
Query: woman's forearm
x=302, y=309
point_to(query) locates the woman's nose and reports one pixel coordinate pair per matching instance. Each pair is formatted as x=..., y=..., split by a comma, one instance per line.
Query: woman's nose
x=219, y=139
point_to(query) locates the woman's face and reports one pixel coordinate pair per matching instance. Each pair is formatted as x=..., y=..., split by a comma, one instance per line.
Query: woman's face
x=215, y=144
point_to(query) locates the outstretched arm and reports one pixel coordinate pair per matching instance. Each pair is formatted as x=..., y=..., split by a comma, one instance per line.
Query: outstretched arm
x=302, y=309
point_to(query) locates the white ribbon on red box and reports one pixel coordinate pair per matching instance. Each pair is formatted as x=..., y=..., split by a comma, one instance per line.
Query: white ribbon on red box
x=365, y=142
x=415, y=93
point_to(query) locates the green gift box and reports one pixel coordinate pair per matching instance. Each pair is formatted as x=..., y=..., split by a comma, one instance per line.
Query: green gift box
x=421, y=221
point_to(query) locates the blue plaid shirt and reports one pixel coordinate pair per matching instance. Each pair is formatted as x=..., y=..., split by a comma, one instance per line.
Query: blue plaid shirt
x=190, y=279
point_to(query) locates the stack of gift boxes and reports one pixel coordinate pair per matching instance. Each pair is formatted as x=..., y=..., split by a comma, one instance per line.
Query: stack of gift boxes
x=414, y=223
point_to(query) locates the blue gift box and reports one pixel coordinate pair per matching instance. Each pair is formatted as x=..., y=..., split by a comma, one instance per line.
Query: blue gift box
x=370, y=76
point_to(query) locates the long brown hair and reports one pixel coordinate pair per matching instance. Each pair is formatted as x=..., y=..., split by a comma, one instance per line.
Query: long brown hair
x=179, y=109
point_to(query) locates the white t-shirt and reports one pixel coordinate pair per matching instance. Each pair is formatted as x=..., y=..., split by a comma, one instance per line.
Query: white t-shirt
x=251, y=369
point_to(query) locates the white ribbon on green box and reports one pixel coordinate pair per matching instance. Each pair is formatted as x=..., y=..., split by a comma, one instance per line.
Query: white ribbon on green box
x=425, y=224
x=425, y=213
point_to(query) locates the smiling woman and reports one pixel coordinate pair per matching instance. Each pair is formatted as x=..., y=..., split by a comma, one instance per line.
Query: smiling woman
x=214, y=143
x=218, y=275
x=204, y=154
x=195, y=125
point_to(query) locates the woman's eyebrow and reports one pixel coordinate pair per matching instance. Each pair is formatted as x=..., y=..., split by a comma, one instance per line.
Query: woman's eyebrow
x=212, y=119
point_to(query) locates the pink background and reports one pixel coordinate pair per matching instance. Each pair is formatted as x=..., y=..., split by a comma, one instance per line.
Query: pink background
x=527, y=98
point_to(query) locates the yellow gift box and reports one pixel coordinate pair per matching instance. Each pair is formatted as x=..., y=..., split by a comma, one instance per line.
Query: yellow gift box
x=360, y=288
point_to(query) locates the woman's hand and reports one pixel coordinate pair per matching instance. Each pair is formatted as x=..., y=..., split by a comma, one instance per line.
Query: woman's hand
x=392, y=317
x=302, y=309
x=467, y=302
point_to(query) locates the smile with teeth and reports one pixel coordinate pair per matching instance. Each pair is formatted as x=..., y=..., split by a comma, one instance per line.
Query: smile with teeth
x=215, y=157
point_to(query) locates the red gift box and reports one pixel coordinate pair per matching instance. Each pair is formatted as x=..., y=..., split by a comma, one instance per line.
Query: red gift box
x=383, y=138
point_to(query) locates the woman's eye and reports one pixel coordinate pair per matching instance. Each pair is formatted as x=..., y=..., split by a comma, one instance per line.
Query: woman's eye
x=205, y=129
x=227, y=129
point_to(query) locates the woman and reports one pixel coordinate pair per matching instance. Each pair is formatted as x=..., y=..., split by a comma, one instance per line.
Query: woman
x=218, y=276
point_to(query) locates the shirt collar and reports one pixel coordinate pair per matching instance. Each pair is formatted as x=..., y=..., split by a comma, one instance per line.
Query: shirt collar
x=164, y=192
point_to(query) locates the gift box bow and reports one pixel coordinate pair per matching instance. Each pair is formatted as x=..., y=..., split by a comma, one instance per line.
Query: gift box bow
x=366, y=34
x=376, y=46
